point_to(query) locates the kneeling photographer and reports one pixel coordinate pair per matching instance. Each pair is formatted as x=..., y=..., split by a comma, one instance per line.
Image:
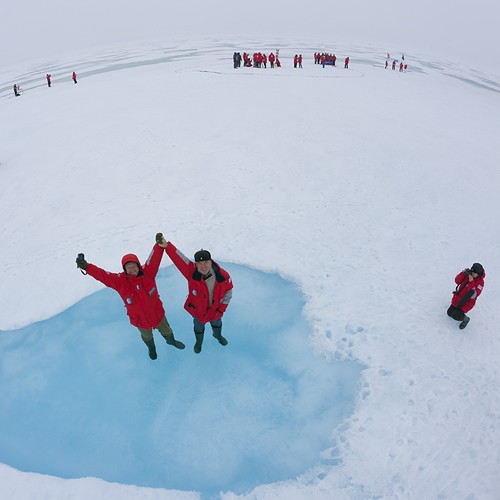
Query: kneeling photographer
x=470, y=283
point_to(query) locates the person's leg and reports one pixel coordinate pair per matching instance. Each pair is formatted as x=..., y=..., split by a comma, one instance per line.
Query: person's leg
x=147, y=338
x=455, y=313
x=199, y=333
x=458, y=315
x=167, y=333
x=217, y=329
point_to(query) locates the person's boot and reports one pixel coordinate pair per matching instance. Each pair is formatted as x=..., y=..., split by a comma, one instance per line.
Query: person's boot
x=217, y=334
x=199, y=342
x=151, y=348
x=172, y=341
x=464, y=323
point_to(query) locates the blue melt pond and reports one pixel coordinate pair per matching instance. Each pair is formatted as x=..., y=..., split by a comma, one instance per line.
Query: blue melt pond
x=80, y=396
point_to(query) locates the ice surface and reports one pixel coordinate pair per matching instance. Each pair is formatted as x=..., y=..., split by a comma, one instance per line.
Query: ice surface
x=82, y=398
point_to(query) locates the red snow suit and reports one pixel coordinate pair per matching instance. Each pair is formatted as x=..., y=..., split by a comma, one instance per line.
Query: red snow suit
x=139, y=293
x=197, y=302
x=465, y=286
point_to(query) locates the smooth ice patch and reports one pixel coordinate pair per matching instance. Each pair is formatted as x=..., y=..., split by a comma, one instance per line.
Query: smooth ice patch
x=80, y=397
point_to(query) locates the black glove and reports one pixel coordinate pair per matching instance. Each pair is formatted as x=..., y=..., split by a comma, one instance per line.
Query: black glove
x=81, y=262
x=159, y=238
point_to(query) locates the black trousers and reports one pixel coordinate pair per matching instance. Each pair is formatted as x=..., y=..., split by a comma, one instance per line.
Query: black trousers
x=455, y=313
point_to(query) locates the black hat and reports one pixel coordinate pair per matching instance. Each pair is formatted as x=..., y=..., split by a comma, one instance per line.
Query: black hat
x=202, y=255
x=477, y=268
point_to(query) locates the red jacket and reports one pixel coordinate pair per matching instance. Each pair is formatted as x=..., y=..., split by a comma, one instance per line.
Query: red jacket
x=466, y=287
x=197, y=303
x=139, y=293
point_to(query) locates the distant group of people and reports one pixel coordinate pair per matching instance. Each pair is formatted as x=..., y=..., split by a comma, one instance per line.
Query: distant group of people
x=402, y=66
x=48, y=78
x=258, y=60
x=327, y=59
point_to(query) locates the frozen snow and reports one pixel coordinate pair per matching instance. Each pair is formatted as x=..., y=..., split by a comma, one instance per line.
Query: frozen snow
x=368, y=189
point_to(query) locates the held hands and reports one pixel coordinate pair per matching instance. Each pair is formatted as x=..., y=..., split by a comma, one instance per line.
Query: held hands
x=161, y=240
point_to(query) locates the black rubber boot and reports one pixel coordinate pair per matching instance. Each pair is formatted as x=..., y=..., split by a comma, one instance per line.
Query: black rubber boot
x=217, y=334
x=152, y=348
x=199, y=342
x=176, y=343
x=464, y=323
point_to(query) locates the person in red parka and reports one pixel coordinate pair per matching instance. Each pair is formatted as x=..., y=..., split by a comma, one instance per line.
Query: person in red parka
x=137, y=288
x=271, y=59
x=210, y=291
x=73, y=76
x=470, y=283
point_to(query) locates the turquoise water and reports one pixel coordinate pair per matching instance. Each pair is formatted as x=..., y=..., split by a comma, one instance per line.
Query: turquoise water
x=80, y=396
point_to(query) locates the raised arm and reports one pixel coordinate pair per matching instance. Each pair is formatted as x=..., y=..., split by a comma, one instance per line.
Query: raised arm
x=181, y=262
x=108, y=279
x=152, y=263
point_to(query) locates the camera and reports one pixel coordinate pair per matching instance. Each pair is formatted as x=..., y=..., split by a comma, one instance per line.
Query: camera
x=80, y=257
x=467, y=271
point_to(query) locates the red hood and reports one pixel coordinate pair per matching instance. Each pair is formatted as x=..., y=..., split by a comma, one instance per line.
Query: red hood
x=130, y=257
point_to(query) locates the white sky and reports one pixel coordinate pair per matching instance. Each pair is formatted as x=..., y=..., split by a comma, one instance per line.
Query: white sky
x=457, y=29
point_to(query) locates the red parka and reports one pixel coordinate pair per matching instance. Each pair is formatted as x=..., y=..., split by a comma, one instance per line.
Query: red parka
x=198, y=302
x=139, y=293
x=466, y=287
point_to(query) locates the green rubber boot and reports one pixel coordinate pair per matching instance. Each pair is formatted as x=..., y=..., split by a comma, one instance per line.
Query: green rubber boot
x=151, y=348
x=217, y=334
x=199, y=342
x=171, y=341
x=464, y=323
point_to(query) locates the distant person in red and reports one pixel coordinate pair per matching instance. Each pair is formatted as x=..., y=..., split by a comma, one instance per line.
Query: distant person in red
x=323, y=60
x=271, y=59
x=295, y=60
x=393, y=64
x=264, y=60
x=470, y=283
x=49, y=79
x=315, y=58
x=278, y=64
x=401, y=67
x=386, y=63
x=300, y=60
x=346, y=62
x=137, y=287
x=405, y=67
x=74, y=77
